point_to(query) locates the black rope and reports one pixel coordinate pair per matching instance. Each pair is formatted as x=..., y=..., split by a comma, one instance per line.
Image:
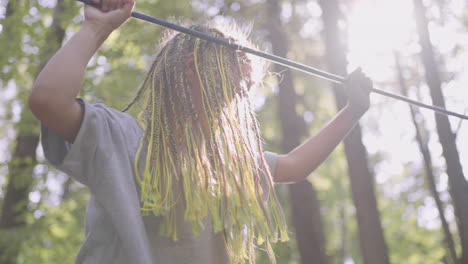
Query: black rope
x=276, y=59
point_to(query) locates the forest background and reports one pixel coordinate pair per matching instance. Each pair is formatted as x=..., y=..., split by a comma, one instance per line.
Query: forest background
x=395, y=192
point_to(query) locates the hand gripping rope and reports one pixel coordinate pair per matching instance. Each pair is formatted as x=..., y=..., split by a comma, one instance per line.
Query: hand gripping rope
x=276, y=59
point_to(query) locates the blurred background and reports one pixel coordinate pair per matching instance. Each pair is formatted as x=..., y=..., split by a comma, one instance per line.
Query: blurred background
x=395, y=192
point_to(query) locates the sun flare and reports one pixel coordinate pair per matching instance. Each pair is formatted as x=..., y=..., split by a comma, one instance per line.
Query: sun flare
x=375, y=29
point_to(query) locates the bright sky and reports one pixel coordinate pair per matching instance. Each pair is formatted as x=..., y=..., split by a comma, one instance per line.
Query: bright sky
x=377, y=28
x=373, y=35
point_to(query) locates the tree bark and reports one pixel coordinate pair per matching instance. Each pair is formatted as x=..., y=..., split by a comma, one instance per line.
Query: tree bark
x=372, y=242
x=10, y=9
x=21, y=165
x=427, y=159
x=457, y=182
x=304, y=202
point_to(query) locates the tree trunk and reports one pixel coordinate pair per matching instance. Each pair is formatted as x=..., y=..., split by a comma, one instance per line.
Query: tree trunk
x=21, y=165
x=373, y=246
x=304, y=201
x=457, y=182
x=427, y=159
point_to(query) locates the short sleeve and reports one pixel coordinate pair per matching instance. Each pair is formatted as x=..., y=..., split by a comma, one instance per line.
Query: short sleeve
x=104, y=140
x=271, y=160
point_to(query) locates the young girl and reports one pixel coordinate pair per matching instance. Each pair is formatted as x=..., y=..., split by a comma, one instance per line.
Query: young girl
x=188, y=182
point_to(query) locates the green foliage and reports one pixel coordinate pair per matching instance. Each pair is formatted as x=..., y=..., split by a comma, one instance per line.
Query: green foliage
x=402, y=222
x=13, y=30
x=56, y=233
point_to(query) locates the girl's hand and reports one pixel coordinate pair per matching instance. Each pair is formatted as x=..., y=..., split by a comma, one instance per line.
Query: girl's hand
x=358, y=86
x=112, y=14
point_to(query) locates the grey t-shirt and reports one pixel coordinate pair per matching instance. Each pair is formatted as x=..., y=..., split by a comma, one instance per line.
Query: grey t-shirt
x=101, y=158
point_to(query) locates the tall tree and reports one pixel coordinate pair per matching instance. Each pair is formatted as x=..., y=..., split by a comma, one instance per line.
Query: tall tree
x=427, y=159
x=372, y=242
x=457, y=182
x=23, y=160
x=304, y=202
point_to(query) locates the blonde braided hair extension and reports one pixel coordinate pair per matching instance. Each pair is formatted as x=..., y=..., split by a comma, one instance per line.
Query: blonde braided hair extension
x=220, y=175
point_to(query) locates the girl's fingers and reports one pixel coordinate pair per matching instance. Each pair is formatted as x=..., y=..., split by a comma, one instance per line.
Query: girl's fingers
x=111, y=5
x=104, y=5
x=359, y=82
x=129, y=4
x=107, y=5
x=97, y=3
x=369, y=85
x=115, y=4
x=357, y=79
x=355, y=76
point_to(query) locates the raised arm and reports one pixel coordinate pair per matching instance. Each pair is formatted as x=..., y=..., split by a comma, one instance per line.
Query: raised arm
x=52, y=99
x=300, y=162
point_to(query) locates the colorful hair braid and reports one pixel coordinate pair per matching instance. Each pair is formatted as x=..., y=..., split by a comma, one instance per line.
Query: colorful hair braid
x=218, y=175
